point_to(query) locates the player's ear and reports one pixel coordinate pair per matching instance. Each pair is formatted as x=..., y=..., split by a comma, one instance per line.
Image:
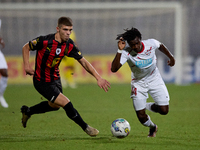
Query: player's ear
x=57, y=28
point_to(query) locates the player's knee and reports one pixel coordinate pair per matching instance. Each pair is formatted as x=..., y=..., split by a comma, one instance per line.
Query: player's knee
x=163, y=110
x=4, y=72
x=54, y=106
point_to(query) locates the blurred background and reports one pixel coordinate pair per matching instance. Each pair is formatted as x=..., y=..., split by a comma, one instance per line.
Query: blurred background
x=176, y=23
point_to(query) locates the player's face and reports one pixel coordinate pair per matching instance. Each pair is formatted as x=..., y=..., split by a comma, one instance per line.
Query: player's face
x=64, y=32
x=136, y=45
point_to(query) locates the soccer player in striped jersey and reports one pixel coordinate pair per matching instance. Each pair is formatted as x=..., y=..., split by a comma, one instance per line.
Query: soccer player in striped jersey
x=146, y=79
x=50, y=50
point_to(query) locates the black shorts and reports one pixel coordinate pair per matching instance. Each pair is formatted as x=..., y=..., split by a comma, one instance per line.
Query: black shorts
x=50, y=90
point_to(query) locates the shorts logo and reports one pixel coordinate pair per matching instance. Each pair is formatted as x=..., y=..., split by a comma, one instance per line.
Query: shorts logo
x=134, y=91
x=58, y=51
x=52, y=98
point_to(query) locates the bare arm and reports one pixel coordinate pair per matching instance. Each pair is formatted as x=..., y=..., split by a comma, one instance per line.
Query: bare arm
x=102, y=83
x=164, y=49
x=116, y=62
x=26, y=56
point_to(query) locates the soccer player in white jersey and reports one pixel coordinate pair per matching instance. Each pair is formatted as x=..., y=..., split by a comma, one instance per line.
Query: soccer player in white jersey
x=146, y=79
x=3, y=74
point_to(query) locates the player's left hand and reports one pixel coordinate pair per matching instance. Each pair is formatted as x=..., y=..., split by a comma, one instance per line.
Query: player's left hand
x=103, y=84
x=29, y=71
x=2, y=43
x=171, y=62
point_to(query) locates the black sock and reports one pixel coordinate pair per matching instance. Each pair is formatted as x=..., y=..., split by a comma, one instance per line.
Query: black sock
x=40, y=108
x=73, y=114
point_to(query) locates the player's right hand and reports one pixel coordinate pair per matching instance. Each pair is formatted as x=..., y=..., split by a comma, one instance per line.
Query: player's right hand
x=103, y=84
x=121, y=43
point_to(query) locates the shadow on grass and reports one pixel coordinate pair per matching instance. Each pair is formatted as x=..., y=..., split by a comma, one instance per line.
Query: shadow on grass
x=59, y=137
x=131, y=140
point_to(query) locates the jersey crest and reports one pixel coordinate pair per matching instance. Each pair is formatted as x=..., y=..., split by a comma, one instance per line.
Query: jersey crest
x=58, y=50
x=148, y=52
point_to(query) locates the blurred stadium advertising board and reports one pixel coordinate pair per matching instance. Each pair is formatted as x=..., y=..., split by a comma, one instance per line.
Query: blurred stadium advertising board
x=102, y=64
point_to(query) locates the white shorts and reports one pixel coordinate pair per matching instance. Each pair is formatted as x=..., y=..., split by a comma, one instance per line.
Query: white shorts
x=3, y=64
x=155, y=87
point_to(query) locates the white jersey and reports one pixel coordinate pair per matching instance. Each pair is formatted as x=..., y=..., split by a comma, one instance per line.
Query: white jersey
x=142, y=64
x=3, y=64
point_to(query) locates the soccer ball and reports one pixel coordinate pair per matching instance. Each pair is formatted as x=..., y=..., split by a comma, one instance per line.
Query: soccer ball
x=120, y=128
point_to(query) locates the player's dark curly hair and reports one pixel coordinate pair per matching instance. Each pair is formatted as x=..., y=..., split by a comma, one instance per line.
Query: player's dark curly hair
x=130, y=35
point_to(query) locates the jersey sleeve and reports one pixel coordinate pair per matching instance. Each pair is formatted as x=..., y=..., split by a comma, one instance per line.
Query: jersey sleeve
x=156, y=43
x=124, y=57
x=75, y=52
x=36, y=44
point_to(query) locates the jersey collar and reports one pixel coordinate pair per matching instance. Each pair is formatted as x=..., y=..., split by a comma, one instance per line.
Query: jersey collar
x=142, y=48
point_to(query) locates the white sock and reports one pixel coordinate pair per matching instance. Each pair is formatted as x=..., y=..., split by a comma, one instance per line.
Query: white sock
x=148, y=106
x=3, y=85
x=3, y=102
x=149, y=123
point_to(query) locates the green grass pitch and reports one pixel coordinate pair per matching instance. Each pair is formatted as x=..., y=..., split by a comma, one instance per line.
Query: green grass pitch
x=179, y=130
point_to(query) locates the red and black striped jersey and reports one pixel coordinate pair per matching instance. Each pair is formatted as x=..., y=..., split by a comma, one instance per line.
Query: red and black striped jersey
x=49, y=55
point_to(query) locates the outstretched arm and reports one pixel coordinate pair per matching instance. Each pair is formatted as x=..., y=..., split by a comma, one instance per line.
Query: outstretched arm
x=102, y=83
x=116, y=62
x=26, y=55
x=164, y=49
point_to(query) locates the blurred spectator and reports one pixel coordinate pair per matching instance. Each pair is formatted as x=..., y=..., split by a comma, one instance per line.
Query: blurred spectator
x=67, y=73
